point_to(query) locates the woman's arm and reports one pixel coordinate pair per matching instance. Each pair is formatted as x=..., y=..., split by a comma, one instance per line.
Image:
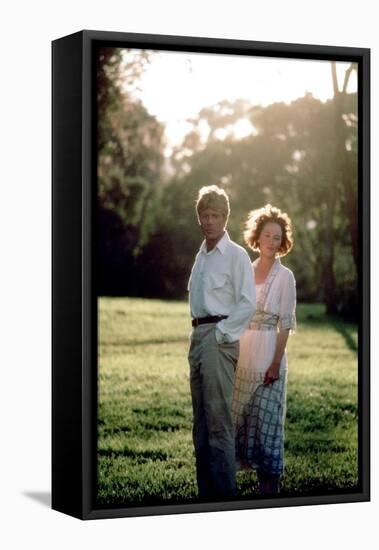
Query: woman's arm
x=287, y=324
x=272, y=373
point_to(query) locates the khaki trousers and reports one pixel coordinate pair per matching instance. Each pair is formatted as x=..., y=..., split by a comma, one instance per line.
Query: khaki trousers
x=212, y=367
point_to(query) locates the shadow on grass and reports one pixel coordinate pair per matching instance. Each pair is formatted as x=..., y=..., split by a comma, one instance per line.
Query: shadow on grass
x=139, y=456
x=342, y=329
x=314, y=315
x=298, y=447
x=151, y=314
x=150, y=342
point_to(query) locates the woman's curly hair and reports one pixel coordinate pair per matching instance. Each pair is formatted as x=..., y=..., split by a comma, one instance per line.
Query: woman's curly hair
x=256, y=221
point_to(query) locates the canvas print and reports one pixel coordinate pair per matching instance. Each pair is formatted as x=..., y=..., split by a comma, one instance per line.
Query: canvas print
x=227, y=277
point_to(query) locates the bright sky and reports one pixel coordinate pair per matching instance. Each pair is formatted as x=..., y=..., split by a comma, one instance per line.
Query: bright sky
x=176, y=86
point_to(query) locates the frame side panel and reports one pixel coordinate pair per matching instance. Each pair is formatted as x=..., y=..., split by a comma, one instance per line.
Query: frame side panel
x=67, y=275
x=364, y=178
x=89, y=298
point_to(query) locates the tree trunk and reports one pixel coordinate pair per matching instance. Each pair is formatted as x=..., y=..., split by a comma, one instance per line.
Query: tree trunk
x=348, y=174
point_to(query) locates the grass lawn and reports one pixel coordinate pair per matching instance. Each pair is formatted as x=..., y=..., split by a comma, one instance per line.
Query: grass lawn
x=145, y=452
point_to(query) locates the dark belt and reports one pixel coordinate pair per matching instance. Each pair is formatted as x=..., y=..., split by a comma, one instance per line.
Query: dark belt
x=210, y=319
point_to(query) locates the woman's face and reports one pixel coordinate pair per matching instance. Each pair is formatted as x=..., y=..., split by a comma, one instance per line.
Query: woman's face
x=270, y=239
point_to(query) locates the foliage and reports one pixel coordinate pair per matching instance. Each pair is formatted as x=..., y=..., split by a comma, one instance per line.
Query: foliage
x=300, y=156
x=130, y=144
x=288, y=160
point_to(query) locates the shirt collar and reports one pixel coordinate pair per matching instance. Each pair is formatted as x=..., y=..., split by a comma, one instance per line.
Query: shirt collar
x=222, y=244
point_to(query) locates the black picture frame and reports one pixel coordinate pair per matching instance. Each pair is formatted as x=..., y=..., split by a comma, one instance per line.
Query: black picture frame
x=74, y=311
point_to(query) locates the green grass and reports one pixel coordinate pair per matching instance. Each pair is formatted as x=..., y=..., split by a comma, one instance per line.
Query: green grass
x=145, y=452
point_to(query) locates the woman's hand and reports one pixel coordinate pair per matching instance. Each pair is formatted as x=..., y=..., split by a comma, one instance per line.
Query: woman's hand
x=271, y=374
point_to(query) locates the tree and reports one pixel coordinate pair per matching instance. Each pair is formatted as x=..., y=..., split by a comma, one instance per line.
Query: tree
x=289, y=160
x=346, y=118
x=130, y=156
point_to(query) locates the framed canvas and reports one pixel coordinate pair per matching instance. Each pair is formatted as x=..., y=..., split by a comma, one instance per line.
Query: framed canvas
x=140, y=124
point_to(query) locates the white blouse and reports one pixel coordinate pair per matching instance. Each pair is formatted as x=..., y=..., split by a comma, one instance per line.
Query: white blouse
x=276, y=304
x=276, y=299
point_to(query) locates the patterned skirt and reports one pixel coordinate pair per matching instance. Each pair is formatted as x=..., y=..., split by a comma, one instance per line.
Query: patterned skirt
x=259, y=415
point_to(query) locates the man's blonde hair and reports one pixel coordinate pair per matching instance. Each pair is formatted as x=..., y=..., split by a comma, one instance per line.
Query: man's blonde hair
x=214, y=197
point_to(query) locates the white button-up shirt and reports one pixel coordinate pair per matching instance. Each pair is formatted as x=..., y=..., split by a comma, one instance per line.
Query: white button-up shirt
x=221, y=283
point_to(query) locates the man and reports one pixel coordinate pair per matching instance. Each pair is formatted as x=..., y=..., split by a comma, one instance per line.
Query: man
x=222, y=301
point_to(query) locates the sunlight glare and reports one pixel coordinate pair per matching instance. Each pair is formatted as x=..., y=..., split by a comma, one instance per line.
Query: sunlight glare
x=176, y=86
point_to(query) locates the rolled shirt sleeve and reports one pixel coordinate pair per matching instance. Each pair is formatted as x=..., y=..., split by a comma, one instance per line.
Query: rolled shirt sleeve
x=287, y=315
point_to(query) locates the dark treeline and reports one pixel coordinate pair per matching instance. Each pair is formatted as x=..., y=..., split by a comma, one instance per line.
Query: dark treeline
x=301, y=157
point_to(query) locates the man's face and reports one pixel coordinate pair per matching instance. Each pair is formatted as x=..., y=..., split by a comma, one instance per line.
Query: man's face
x=212, y=224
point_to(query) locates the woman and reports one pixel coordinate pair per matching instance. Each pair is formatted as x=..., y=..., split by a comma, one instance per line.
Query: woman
x=259, y=399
